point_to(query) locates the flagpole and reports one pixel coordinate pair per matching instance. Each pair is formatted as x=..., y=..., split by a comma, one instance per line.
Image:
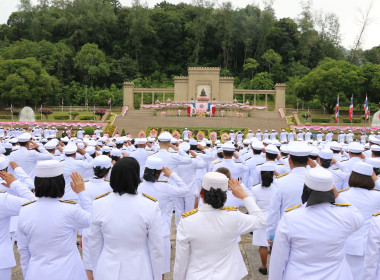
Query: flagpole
x=41, y=112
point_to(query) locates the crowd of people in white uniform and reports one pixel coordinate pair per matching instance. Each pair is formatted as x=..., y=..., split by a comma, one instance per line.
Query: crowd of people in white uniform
x=311, y=202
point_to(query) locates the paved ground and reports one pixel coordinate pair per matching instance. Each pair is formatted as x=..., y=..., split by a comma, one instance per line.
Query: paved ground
x=250, y=254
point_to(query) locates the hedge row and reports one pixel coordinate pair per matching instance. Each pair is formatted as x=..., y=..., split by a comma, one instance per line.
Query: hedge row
x=86, y=118
x=320, y=120
x=356, y=120
x=61, y=117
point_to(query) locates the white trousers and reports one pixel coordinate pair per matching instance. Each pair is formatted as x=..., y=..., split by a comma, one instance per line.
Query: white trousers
x=167, y=255
x=356, y=264
x=5, y=273
x=182, y=205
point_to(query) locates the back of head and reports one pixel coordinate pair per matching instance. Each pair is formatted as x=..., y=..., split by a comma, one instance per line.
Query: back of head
x=49, y=180
x=125, y=176
x=214, y=189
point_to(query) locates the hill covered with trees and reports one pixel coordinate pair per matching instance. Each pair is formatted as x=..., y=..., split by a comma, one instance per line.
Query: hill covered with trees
x=73, y=48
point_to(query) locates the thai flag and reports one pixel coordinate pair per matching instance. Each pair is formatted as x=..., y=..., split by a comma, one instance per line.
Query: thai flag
x=86, y=102
x=297, y=104
x=109, y=101
x=41, y=109
x=62, y=102
x=11, y=108
x=351, y=111
x=366, y=108
x=94, y=109
x=337, y=109
x=71, y=109
x=308, y=111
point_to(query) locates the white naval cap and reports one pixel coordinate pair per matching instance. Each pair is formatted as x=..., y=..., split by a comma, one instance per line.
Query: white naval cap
x=228, y=147
x=257, y=145
x=70, y=149
x=299, y=149
x=50, y=145
x=267, y=167
x=335, y=146
x=4, y=162
x=219, y=150
x=375, y=162
x=65, y=139
x=276, y=143
x=373, y=139
x=165, y=136
x=25, y=137
x=355, y=147
x=90, y=150
x=246, y=141
x=267, y=141
x=314, y=152
x=375, y=148
x=119, y=140
x=272, y=149
x=284, y=149
x=49, y=168
x=173, y=141
x=184, y=146
x=215, y=180
x=102, y=162
x=110, y=144
x=319, y=179
x=193, y=142
x=326, y=154
x=8, y=145
x=141, y=141
x=106, y=149
x=154, y=163
x=363, y=168
x=115, y=152
x=13, y=141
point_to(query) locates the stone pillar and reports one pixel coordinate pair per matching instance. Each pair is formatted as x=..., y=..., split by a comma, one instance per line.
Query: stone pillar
x=152, y=98
x=266, y=101
x=142, y=98
x=128, y=96
x=254, y=99
x=280, y=96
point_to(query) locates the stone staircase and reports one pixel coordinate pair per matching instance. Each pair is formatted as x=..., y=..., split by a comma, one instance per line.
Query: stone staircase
x=136, y=120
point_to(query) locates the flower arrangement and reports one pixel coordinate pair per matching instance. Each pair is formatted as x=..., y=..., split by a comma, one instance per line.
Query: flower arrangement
x=46, y=112
x=163, y=114
x=222, y=113
x=179, y=113
x=203, y=98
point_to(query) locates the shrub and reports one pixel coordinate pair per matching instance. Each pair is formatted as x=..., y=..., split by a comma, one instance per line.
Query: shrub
x=89, y=130
x=123, y=132
x=110, y=129
x=320, y=120
x=74, y=114
x=306, y=115
x=100, y=112
x=6, y=117
x=86, y=118
x=354, y=120
x=47, y=112
x=60, y=117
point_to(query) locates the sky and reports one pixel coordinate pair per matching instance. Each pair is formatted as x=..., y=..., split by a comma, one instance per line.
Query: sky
x=348, y=12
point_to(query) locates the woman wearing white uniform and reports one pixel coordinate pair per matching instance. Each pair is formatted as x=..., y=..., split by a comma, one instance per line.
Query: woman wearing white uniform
x=125, y=240
x=206, y=246
x=363, y=196
x=262, y=194
x=94, y=188
x=310, y=238
x=326, y=160
x=163, y=192
x=47, y=227
x=372, y=251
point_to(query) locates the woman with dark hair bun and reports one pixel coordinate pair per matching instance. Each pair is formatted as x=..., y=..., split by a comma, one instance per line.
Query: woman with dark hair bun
x=366, y=199
x=125, y=240
x=326, y=161
x=164, y=193
x=263, y=194
x=206, y=246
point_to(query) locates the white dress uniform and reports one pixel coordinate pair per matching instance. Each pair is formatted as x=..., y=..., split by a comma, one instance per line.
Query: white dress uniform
x=10, y=205
x=349, y=137
x=163, y=192
x=47, y=238
x=206, y=246
x=259, y=135
x=80, y=134
x=329, y=137
x=273, y=136
x=141, y=155
x=232, y=136
x=372, y=251
x=320, y=137
x=309, y=242
x=98, y=132
x=290, y=136
x=127, y=246
x=237, y=169
x=283, y=136
x=308, y=135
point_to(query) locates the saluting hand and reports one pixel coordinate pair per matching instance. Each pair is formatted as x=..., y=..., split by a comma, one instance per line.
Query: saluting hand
x=13, y=164
x=77, y=183
x=167, y=171
x=237, y=189
x=8, y=178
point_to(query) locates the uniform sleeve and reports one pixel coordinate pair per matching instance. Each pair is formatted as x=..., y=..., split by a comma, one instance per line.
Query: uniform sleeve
x=23, y=249
x=156, y=244
x=82, y=214
x=95, y=239
x=22, y=190
x=280, y=252
x=255, y=219
x=198, y=163
x=183, y=159
x=274, y=213
x=175, y=191
x=21, y=175
x=42, y=156
x=182, y=254
x=371, y=254
x=11, y=205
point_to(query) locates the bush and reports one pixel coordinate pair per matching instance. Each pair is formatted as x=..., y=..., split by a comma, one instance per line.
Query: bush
x=110, y=129
x=123, y=132
x=356, y=120
x=74, y=114
x=7, y=117
x=86, y=118
x=47, y=112
x=89, y=130
x=100, y=112
x=320, y=120
x=60, y=117
x=306, y=115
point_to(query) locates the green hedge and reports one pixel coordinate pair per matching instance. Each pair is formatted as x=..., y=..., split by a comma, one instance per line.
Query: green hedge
x=86, y=118
x=320, y=120
x=60, y=117
x=8, y=117
x=356, y=120
x=89, y=130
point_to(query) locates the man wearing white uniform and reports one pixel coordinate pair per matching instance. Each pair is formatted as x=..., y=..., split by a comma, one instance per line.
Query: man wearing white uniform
x=26, y=158
x=283, y=136
x=140, y=154
x=232, y=135
x=350, y=137
x=355, y=151
x=329, y=136
x=320, y=136
x=259, y=135
x=291, y=136
x=185, y=133
x=308, y=135
x=80, y=133
x=237, y=168
x=98, y=132
x=273, y=135
x=341, y=137
x=250, y=135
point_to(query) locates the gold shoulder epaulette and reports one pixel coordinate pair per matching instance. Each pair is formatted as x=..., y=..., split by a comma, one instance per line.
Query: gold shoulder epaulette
x=187, y=214
x=148, y=196
x=343, y=190
x=282, y=175
x=229, y=208
x=259, y=164
x=342, y=204
x=27, y=203
x=237, y=161
x=217, y=162
x=102, y=195
x=256, y=184
x=2, y=191
x=248, y=158
x=280, y=164
x=344, y=160
x=335, y=168
x=292, y=208
x=214, y=159
x=162, y=181
x=376, y=189
x=376, y=214
x=106, y=180
x=68, y=201
x=153, y=153
x=86, y=181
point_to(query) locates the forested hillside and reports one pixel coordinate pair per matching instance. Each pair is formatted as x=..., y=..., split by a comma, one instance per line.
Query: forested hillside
x=63, y=49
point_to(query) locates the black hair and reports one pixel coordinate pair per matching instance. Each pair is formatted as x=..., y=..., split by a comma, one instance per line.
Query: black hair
x=376, y=153
x=358, y=180
x=119, y=146
x=313, y=157
x=356, y=154
x=215, y=197
x=151, y=175
x=228, y=153
x=257, y=152
x=105, y=153
x=208, y=145
x=335, y=151
x=193, y=147
x=266, y=178
x=115, y=158
x=297, y=160
x=125, y=176
x=7, y=152
x=284, y=154
x=100, y=172
x=53, y=187
x=325, y=163
x=220, y=155
x=93, y=155
x=22, y=144
x=271, y=156
x=377, y=171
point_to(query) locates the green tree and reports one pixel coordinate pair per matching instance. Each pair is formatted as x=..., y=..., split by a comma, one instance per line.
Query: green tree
x=250, y=66
x=262, y=80
x=270, y=58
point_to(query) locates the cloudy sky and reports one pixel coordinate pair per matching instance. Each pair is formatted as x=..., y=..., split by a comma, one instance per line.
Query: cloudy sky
x=348, y=12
